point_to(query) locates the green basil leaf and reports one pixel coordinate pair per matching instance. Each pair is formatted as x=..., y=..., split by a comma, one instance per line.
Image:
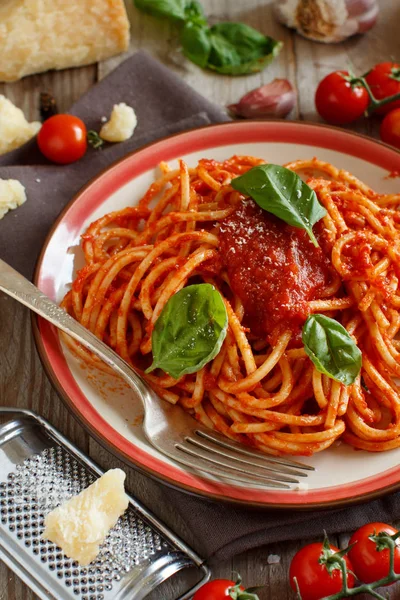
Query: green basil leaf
x=196, y=43
x=332, y=350
x=189, y=331
x=284, y=194
x=194, y=13
x=238, y=49
x=174, y=9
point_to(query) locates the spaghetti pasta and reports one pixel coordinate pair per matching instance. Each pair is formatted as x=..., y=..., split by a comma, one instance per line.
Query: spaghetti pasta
x=191, y=226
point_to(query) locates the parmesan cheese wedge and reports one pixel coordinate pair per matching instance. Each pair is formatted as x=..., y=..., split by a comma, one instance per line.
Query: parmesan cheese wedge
x=81, y=525
x=14, y=128
x=37, y=35
x=121, y=125
x=12, y=195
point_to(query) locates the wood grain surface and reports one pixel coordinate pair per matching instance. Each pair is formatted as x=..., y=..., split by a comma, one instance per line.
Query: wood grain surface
x=22, y=379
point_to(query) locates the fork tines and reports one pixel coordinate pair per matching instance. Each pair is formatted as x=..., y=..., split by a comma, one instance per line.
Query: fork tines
x=215, y=455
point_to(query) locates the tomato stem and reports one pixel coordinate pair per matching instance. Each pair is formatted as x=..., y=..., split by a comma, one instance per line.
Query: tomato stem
x=374, y=103
x=369, y=588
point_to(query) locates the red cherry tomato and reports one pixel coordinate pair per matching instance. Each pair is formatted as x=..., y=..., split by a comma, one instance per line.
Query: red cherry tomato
x=390, y=128
x=384, y=81
x=313, y=578
x=371, y=564
x=62, y=139
x=218, y=589
x=339, y=102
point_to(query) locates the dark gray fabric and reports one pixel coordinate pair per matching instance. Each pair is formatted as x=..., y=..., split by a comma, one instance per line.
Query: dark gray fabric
x=223, y=531
x=220, y=530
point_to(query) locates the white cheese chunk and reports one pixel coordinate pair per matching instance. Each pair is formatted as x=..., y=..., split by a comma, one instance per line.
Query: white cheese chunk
x=14, y=128
x=12, y=195
x=273, y=559
x=121, y=125
x=81, y=525
x=37, y=35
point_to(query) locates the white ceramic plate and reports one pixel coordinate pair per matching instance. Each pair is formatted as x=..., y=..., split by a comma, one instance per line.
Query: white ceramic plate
x=107, y=409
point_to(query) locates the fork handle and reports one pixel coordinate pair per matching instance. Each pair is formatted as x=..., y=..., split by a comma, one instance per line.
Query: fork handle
x=22, y=290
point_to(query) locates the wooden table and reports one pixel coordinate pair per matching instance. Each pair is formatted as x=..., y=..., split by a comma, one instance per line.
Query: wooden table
x=22, y=379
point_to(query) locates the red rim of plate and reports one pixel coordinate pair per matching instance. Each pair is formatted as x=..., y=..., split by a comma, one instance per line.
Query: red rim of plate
x=92, y=196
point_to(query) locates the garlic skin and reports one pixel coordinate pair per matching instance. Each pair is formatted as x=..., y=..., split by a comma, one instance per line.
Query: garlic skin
x=327, y=21
x=274, y=99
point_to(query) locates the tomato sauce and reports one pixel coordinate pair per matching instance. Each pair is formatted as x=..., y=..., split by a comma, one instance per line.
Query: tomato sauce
x=274, y=269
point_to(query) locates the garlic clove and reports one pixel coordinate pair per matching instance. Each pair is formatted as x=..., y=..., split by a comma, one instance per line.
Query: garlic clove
x=274, y=99
x=327, y=20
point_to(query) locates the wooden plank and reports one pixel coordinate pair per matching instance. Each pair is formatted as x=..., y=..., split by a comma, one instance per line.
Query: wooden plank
x=66, y=86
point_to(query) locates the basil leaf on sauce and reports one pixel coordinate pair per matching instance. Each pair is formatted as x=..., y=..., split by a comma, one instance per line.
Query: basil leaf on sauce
x=331, y=348
x=189, y=331
x=283, y=193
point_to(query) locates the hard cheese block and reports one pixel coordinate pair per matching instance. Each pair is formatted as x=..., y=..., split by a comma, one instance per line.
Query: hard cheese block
x=80, y=525
x=14, y=128
x=37, y=35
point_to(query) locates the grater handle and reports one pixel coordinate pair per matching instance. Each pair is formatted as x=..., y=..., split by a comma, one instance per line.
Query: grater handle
x=22, y=290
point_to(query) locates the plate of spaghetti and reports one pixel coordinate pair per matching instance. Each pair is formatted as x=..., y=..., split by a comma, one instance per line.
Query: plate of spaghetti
x=293, y=230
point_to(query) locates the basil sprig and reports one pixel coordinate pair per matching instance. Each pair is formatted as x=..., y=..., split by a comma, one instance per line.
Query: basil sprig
x=173, y=9
x=283, y=193
x=331, y=348
x=227, y=48
x=189, y=331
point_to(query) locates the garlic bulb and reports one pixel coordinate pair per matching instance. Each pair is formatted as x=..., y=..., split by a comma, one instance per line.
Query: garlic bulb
x=327, y=20
x=275, y=99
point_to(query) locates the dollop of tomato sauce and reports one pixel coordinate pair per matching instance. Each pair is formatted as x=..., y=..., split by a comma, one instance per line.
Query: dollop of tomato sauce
x=273, y=268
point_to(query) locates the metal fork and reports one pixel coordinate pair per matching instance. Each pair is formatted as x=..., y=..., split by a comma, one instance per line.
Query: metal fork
x=168, y=428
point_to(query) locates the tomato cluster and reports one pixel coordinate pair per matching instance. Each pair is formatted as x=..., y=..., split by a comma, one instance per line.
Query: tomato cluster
x=318, y=570
x=341, y=98
x=316, y=573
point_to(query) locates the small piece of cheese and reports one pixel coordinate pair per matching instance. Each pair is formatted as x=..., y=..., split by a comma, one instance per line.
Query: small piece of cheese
x=80, y=525
x=14, y=128
x=37, y=35
x=121, y=125
x=12, y=195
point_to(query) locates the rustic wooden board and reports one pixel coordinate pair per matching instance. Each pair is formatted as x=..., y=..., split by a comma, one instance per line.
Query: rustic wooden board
x=22, y=379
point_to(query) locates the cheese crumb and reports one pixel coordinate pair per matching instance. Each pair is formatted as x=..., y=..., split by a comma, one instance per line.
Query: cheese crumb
x=14, y=128
x=80, y=525
x=273, y=559
x=12, y=195
x=121, y=125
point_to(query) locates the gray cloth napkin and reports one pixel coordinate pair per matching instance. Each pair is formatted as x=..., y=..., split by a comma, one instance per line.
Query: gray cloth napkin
x=221, y=530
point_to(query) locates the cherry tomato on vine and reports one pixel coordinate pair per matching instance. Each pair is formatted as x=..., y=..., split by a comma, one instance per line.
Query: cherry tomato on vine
x=62, y=139
x=384, y=81
x=217, y=589
x=338, y=101
x=390, y=128
x=370, y=562
x=317, y=573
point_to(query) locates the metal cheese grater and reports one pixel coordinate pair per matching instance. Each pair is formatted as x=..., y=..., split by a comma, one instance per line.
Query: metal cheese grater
x=40, y=469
